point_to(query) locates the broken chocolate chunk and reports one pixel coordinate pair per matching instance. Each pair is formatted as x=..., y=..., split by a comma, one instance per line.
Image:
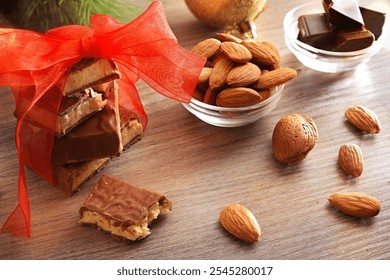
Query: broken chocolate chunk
x=315, y=30
x=122, y=209
x=373, y=21
x=343, y=13
x=349, y=41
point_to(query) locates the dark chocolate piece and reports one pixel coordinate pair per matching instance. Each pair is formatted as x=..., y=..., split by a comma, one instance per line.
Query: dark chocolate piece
x=122, y=209
x=349, y=41
x=344, y=14
x=373, y=21
x=315, y=30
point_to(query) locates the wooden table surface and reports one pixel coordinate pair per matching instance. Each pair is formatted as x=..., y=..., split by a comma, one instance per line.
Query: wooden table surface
x=202, y=168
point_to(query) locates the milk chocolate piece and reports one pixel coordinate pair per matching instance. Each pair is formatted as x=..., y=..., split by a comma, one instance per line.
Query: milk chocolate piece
x=122, y=209
x=95, y=138
x=69, y=177
x=72, y=110
x=344, y=14
x=90, y=72
x=349, y=41
x=77, y=108
x=373, y=21
x=315, y=30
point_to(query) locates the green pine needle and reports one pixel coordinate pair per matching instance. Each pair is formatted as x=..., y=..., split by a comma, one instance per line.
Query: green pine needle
x=46, y=14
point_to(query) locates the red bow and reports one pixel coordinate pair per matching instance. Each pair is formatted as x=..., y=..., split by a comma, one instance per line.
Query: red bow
x=145, y=48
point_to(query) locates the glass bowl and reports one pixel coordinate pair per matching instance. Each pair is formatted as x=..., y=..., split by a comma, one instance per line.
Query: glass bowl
x=321, y=60
x=234, y=117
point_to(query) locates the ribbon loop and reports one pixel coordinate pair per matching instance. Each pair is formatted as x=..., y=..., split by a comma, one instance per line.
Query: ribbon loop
x=89, y=47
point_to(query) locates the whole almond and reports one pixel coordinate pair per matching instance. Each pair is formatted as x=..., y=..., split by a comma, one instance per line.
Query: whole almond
x=237, y=97
x=351, y=159
x=236, y=52
x=262, y=54
x=275, y=78
x=294, y=136
x=207, y=48
x=205, y=75
x=356, y=204
x=243, y=75
x=221, y=68
x=240, y=222
x=210, y=96
x=363, y=118
x=223, y=37
x=198, y=95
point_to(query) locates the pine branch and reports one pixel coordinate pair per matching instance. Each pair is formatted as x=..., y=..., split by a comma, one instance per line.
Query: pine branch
x=46, y=14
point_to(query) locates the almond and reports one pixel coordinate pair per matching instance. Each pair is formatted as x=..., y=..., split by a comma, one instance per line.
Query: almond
x=221, y=69
x=243, y=75
x=210, y=96
x=237, y=97
x=223, y=37
x=240, y=222
x=294, y=136
x=363, y=118
x=236, y=52
x=207, y=48
x=262, y=54
x=205, y=75
x=351, y=159
x=356, y=204
x=198, y=95
x=275, y=78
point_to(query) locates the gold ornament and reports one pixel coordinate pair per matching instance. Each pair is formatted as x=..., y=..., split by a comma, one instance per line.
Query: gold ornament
x=228, y=14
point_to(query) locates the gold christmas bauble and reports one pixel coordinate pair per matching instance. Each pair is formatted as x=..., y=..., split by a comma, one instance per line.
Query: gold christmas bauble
x=227, y=14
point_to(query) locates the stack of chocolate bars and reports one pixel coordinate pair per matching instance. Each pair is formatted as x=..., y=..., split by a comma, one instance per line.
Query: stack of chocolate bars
x=89, y=129
x=343, y=27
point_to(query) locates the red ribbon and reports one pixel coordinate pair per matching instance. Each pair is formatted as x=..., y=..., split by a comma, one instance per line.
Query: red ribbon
x=145, y=48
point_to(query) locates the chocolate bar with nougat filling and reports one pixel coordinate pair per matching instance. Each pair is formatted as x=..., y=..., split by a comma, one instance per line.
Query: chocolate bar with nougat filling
x=69, y=177
x=122, y=209
x=90, y=72
x=95, y=138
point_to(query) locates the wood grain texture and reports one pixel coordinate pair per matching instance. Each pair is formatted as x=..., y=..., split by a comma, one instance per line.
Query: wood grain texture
x=202, y=168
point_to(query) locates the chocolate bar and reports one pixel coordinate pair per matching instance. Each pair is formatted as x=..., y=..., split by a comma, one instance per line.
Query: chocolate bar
x=69, y=177
x=90, y=72
x=343, y=13
x=348, y=41
x=72, y=110
x=122, y=209
x=315, y=30
x=95, y=138
x=76, y=108
x=373, y=21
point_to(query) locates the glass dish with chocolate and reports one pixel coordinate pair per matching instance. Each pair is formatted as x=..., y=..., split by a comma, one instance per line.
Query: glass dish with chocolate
x=336, y=35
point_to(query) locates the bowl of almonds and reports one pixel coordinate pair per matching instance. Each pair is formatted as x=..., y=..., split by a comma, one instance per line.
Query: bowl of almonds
x=241, y=81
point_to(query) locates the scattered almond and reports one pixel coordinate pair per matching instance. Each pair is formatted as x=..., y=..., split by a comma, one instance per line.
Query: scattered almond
x=240, y=222
x=351, y=159
x=294, y=136
x=356, y=204
x=363, y=118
